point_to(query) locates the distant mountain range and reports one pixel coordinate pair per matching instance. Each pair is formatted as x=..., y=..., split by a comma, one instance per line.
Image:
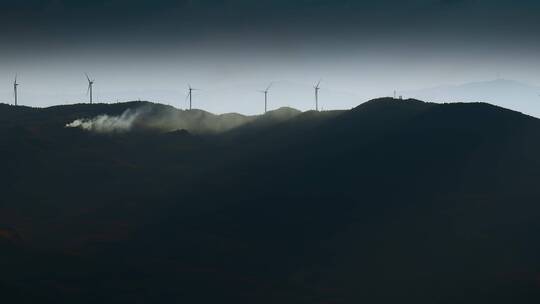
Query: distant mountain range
x=502, y=92
x=506, y=93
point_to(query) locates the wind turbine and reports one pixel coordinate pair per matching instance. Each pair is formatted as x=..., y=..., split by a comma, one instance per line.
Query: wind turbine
x=90, y=87
x=190, y=95
x=265, y=92
x=317, y=87
x=15, y=85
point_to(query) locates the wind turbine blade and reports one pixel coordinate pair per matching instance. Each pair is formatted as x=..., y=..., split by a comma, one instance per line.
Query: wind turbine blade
x=87, y=77
x=269, y=86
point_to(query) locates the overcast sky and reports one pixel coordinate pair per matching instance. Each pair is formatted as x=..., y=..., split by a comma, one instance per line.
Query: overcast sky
x=230, y=49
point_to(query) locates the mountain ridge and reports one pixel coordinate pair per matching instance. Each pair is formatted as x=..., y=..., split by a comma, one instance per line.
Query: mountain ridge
x=506, y=93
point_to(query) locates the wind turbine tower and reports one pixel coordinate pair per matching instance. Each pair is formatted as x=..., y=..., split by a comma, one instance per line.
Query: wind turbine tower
x=90, y=87
x=317, y=87
x=15, y=85
x=265, y=92
x=190, y=95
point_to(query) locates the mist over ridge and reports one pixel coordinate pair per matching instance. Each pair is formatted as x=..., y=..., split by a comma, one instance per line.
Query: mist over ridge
x=162, y=118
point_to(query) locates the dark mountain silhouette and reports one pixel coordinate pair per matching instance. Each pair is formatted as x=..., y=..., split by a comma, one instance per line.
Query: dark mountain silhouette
x=392, y=201
x=506, y=93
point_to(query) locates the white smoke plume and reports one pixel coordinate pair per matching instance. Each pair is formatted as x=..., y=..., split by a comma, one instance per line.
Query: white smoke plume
x=108, y=124
x=166, y=119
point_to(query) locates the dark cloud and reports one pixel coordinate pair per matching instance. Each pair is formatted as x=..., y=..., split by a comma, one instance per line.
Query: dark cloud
x=168, y=22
